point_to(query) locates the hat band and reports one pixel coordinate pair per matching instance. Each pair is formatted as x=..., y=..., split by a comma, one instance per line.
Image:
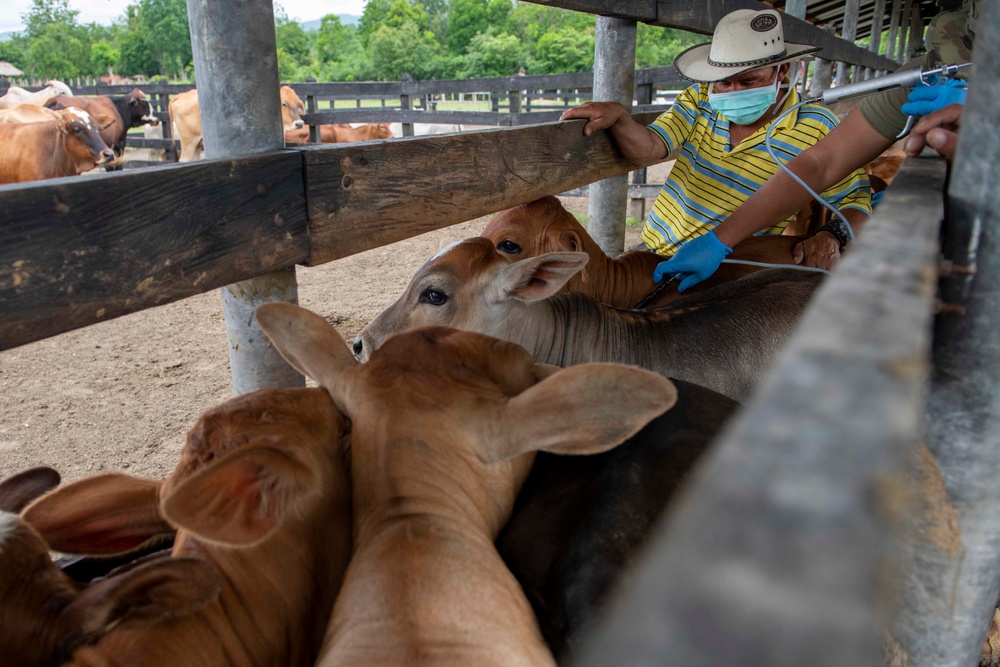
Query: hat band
x=750, y=63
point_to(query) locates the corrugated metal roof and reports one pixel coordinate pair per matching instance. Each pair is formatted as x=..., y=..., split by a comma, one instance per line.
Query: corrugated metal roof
x=831, y=12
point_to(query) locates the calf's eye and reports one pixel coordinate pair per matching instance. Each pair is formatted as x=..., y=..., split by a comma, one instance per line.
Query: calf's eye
x=433, y=297
x=509, y=247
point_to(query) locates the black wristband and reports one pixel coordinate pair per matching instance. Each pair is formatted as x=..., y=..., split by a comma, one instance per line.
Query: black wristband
x=840, y=230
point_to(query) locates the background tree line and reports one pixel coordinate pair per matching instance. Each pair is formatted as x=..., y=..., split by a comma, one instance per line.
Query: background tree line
x=429, y=39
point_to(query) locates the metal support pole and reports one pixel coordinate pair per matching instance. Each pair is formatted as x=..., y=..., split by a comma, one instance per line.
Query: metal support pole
x=954, y=582
x=878, y=17
x=916, y=32
x=796, y=8
x=236, y=66
x=822, y=73
x=614, y=78
x=894, y=16
x=904, y=19
x=848, y=33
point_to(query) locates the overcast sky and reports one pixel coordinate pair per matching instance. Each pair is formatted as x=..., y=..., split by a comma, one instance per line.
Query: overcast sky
x=106, y=11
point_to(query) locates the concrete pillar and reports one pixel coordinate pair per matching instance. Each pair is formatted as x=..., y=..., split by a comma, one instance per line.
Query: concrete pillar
x=614, y=78
x=236, y=67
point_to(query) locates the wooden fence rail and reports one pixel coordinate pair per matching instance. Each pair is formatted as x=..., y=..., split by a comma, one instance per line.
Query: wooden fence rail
x=76, y=251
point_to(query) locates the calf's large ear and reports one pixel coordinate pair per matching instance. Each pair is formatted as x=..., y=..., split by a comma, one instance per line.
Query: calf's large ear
x=311, y=346
x=106, y=514
x=18, y=490
x=585, y=409
x=241, y=498
x=161, y=590
x=542, y=276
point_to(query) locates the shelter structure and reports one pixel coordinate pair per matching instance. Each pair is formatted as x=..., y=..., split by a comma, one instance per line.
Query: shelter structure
x=781, y=551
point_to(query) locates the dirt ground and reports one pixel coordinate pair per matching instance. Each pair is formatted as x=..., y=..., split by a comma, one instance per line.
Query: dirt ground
x=121, y=395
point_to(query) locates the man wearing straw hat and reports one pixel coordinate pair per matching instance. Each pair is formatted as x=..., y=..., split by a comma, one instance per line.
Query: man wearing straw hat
x=717, y=130
x=869, y=129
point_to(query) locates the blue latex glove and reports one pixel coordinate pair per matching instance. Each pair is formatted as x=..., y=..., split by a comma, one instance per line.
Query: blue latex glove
x=695, y=261
x=928, y=99
x=877, y=197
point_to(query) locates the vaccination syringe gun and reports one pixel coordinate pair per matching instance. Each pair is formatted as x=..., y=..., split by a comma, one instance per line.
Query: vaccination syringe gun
x=910, y=78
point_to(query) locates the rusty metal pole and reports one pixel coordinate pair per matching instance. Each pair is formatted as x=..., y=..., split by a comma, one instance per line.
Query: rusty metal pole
x=236, y=67
x=614, y=80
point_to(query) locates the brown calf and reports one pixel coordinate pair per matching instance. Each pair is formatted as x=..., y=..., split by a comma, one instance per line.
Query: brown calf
x=725, y=338
x=185, y=116
x=444, y=429
x=625, y=281
x=261, y=499
x=340, y=134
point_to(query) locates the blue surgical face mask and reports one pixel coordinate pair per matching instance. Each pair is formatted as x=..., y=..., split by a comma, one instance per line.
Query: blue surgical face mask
x=744, y=107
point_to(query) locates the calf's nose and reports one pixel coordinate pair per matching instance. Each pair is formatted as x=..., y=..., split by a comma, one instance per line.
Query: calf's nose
x=358, y=346
x=107, y=155
x=299, y=123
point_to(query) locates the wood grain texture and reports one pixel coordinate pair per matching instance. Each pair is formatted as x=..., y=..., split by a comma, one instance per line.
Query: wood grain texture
x=76, y=251
x=703, y=16
x=362, y=196
x=781, y=549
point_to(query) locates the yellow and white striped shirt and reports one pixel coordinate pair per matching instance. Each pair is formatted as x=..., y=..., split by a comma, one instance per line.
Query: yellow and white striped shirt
x=709, y=180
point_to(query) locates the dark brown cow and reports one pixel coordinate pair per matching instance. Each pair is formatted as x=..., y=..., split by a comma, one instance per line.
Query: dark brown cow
x=128, y=111
x=68, y=146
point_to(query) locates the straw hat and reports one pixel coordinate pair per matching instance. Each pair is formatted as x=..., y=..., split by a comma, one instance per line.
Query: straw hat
x=743, y=40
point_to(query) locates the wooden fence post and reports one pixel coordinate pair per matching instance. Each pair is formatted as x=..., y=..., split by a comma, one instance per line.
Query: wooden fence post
x=314, y=134
x=954, y=575
x=225, y=69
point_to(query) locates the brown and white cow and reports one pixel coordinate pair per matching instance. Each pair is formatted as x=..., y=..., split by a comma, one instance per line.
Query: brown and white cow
x=185, y=117
x=341, y=134
x=16, y=95
x=27, y=113
x=445, y=424
x=127, y=111
x=67, y=146
x=624, y=281
x=261, y=500
x=725, y=338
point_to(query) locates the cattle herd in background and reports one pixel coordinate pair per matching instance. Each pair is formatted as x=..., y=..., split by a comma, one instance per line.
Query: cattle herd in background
x=54, y=147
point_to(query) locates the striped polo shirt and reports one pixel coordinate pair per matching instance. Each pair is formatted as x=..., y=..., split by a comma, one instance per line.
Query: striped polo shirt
x=710, y=180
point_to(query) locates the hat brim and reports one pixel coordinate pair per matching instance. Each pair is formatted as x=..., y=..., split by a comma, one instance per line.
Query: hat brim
x=693, y=65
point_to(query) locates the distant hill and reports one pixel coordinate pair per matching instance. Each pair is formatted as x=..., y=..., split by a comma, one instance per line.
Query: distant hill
x=4, y=36
x=345, y=19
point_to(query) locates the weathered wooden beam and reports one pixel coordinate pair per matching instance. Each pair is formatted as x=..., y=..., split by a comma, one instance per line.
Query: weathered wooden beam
x=361, y=196
x=636, y=10
x=780, y=549
x=951, y=594
x=76, y=251
x=703, y=16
